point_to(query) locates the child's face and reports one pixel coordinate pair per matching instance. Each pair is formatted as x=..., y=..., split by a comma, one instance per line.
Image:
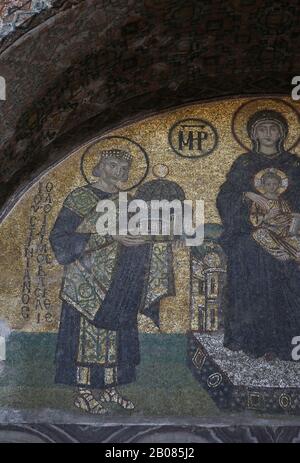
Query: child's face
x=271, y=184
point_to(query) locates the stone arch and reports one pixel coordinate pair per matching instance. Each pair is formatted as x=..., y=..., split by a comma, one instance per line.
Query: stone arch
x=127, y=60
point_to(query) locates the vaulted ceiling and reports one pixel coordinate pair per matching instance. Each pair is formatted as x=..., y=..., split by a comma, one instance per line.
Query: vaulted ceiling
x=75, y=68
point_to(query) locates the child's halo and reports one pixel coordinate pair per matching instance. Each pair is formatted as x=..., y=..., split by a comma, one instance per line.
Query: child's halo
x=258, y=180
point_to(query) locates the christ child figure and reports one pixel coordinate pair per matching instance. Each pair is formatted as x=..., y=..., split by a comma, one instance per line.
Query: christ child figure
x=276, y=227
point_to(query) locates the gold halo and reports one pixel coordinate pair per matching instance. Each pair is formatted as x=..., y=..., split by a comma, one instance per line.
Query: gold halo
x=258, y=179
x=245, y=111
x=139, y=166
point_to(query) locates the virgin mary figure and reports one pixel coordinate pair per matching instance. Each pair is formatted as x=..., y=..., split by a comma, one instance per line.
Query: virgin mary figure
x=262, y=312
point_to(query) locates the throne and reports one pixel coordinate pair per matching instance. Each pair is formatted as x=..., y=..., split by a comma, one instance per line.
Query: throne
x=234, y=380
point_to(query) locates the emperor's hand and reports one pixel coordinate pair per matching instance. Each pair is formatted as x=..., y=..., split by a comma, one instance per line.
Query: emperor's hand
x=130, y=240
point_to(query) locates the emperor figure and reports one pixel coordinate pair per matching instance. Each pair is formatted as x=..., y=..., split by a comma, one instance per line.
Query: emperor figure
x=107, y=281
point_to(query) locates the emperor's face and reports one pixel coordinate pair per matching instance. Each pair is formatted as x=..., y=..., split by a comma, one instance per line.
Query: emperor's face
x=115, y=170
x=268, y=134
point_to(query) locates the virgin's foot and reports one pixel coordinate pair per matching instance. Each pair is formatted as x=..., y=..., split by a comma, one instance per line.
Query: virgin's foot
x=269, y=356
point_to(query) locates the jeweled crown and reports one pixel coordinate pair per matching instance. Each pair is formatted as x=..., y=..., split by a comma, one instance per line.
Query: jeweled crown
x=116, y=153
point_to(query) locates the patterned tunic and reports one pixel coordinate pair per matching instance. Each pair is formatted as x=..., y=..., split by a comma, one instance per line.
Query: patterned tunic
x=104, y=287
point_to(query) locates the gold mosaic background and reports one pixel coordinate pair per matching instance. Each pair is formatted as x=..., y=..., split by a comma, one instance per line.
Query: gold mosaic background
x=200, y=178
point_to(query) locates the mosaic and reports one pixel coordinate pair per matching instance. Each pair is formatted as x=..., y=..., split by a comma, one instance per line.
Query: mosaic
x=118, y=325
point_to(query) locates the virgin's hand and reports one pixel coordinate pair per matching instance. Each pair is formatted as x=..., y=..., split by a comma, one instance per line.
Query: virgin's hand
x=246, y=198
x=247, y=195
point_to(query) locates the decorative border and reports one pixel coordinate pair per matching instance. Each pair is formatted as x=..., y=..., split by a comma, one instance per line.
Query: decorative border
x=43, y=433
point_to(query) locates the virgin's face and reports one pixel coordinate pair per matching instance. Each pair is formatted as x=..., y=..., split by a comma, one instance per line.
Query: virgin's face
x=268, y=134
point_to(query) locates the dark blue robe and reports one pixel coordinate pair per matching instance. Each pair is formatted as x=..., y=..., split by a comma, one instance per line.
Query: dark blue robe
x=262, y=312
x=119, y=309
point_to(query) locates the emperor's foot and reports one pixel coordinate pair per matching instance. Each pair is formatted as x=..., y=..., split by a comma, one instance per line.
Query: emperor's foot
x=86, y=401
x=112, y=395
